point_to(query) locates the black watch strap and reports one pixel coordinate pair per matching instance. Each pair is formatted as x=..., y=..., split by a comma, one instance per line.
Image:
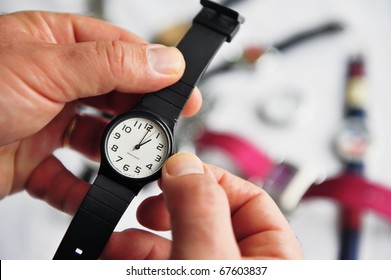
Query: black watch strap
x=95, y=220
x=213, y=25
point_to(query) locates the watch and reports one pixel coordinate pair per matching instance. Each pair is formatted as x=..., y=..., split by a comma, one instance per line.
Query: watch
x=354, y=138
x=136, y=144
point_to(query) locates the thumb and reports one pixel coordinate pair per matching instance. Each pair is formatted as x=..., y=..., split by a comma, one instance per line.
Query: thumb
x=199, y=211
x=93, y=68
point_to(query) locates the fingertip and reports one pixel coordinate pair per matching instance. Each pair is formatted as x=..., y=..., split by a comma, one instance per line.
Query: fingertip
x=136, y=244
x=165, y=60
x=183, y=164
x=194, y=103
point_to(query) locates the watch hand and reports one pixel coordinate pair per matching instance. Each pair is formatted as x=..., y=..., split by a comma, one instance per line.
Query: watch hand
x=140, y=144
x=142, y=139
x=148, y=138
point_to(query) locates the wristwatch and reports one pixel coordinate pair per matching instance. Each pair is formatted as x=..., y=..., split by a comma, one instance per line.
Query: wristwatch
x=136, y=144
x=354, y=138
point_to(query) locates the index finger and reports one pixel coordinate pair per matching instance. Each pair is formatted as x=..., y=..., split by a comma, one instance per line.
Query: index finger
x=115, y=103
x=259, y=225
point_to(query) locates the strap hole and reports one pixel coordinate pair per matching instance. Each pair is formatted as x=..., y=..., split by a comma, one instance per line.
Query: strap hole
x=79, y=251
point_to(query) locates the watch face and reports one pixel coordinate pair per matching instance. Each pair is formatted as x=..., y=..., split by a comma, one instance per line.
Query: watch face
x=353, y=141
x=137, y=147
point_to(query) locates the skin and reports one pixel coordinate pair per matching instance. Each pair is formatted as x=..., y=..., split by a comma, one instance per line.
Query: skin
x=50, y=64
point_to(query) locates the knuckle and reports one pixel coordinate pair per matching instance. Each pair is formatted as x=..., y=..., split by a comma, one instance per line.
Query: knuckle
x=205, y=190
x=119, y=58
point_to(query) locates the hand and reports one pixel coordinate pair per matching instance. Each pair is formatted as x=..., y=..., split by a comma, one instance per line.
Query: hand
x=49, y=65
x=212, y=214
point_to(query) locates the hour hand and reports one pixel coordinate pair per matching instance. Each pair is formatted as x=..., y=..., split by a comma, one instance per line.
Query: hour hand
x=140, y=144
x=142, y=139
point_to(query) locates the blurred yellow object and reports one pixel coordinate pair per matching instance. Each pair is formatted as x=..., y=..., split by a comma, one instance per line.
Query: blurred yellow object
x=172, y=35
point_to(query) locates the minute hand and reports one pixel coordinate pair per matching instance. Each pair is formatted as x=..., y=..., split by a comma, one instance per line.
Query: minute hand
x=143, y=137
x=139, y=145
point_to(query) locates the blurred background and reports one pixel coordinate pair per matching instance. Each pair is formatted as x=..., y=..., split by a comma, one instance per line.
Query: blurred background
x=278, y=91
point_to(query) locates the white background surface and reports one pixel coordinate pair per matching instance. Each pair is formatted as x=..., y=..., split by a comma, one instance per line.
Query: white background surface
x=32, y=230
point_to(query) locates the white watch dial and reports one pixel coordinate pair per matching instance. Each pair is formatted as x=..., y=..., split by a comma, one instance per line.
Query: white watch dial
x=353, y=140
x=137, y=147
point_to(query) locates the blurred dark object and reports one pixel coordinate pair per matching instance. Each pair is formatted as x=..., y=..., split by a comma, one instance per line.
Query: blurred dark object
x=251, y=54
x=230, y=2
x=324, y=29
x=172, y=35
x=96, y=8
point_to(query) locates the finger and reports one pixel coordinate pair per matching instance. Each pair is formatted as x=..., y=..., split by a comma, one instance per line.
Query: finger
x=94, y=68
x=194, y=103
x=88, y=69
x=53, y=183
x=115, y=103
x=33, y=150
x=85, y=29
x=65, y=28
x=85, y=135
x=153, y=214
x=199, y=210
x=260, y=227
x=136, y=245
